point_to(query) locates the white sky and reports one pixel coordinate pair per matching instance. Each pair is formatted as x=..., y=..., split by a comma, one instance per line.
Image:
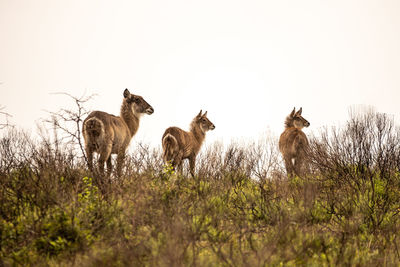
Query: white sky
x=247, y=62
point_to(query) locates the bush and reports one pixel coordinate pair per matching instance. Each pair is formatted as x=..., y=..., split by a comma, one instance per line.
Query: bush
x=240, y=209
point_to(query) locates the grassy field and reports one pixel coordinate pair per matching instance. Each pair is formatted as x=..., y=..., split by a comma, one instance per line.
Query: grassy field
x=239, y=210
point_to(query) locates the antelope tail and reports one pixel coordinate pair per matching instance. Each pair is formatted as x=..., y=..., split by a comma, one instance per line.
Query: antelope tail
x=170, y=145
x=94, y=127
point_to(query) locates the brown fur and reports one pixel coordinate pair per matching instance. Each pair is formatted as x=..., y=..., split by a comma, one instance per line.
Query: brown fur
x=107, y=134
x=179, y=144
x=293, y=143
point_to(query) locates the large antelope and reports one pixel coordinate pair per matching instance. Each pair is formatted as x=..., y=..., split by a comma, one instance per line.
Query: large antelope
x=107, y=134
x=178, y=144
x=293, y=143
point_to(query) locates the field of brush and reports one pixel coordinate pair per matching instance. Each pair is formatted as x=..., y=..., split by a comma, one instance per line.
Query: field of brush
x=239, y=210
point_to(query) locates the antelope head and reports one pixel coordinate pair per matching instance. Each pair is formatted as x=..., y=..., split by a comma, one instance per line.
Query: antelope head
x=137, y=103
x=204, y=122
x=298, y=121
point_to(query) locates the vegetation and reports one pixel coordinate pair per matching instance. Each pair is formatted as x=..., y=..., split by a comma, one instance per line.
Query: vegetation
x=239, y=210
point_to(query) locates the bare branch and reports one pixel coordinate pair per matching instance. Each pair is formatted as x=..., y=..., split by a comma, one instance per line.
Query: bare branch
x=7, y=116
x=68, y=121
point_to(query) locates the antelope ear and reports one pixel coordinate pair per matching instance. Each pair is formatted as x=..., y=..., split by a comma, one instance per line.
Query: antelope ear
x=199, y=115
x=299, y=111
x=205, y=114
x=293, y=111
x=126, y=93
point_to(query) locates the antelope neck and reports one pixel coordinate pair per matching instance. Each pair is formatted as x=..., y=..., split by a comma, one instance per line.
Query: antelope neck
x=130, y=118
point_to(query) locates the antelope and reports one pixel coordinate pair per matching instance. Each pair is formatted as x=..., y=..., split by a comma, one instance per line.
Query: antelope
x=178, y=144
x=107, y=134
x=293, y=143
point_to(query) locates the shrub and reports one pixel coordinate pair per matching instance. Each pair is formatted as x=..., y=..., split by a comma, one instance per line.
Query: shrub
x=239, y=210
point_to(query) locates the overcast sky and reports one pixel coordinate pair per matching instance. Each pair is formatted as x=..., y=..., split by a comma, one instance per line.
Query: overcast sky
x=247, y=62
